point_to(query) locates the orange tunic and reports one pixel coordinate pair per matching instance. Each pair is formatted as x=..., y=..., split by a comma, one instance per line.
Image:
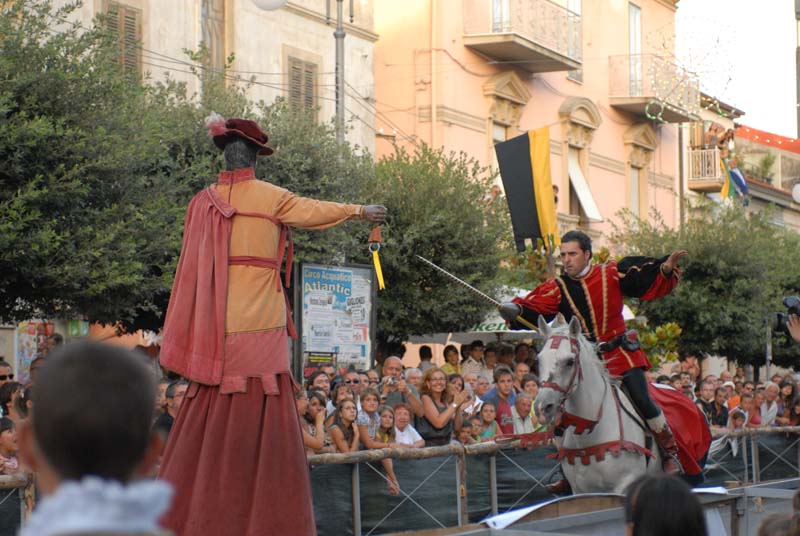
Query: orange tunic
x=255, y=315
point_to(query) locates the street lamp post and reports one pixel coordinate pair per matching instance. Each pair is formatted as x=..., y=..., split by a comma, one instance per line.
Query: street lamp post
x=338, y=35
x=797, y=61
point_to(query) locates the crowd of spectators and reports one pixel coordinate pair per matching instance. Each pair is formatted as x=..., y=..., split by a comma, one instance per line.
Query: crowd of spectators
x=478, y=393
x=731, y=401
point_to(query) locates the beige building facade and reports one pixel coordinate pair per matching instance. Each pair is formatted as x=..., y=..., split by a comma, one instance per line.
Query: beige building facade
x=466, y=74
x=289, y=52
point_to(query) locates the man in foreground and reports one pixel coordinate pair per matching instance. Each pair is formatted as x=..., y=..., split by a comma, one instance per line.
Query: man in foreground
x=88, y=441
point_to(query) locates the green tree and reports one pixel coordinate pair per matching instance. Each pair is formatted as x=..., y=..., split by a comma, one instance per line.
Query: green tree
x=96, y=169
x=739, y=266
x=439, y=209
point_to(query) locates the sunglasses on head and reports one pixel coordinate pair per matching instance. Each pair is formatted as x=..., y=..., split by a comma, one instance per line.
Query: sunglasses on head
x=6, y=377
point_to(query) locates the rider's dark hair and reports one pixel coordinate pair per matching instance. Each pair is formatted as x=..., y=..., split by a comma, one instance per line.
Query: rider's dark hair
x=663, y=505
x=580, y=237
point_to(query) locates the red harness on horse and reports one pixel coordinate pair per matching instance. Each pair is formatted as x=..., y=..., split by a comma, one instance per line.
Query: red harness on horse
x=581, y=424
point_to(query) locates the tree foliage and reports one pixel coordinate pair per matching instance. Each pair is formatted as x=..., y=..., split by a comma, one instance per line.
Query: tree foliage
x=439, y=209
x=100, y=166
x=739, y=266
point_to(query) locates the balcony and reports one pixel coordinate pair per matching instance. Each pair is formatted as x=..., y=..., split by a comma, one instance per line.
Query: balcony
x=653, y=88
x=705, y=170
x=536, y=35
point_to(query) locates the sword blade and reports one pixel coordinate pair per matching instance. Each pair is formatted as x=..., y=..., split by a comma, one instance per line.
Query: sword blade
x=460, y=282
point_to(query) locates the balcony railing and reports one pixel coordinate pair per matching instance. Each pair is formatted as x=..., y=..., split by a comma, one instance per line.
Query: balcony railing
x=705, y=170
x=651, y=86
x=536, y=35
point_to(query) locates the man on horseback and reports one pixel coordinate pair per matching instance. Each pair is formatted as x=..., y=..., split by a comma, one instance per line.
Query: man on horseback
x=593, y=293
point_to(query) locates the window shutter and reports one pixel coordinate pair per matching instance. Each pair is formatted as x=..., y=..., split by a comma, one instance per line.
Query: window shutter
x=124, y=24
x=309, y=89
x=303, y=85
x=295, y=83
x=130, y=57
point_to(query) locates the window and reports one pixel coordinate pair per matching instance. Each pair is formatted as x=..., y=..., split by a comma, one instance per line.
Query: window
x=635, y=48
x=212, y=23
x=124, y=23
x=577, y=74
x=580, y=194
x=499, y=135
x=303, y=85
x=633, y=192
x=501, y=16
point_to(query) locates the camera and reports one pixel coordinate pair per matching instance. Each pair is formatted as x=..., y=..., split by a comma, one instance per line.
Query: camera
x=779, y=321
x=392, y=381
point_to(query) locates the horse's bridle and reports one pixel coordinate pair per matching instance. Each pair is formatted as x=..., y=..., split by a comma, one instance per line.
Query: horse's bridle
x=556, y=341
x=565, y=419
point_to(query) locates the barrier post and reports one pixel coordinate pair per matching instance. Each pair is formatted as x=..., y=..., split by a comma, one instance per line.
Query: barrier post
x=754, y=456
x=493, y=481
x=356, y=500
x=461, y=489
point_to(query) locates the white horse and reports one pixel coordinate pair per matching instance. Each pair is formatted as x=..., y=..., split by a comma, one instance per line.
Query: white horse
x=603, y=447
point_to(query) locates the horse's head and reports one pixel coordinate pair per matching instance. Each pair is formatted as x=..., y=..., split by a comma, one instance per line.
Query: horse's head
x=559, y=366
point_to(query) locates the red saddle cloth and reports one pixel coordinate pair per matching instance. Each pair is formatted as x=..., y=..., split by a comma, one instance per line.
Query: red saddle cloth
x=689, y=426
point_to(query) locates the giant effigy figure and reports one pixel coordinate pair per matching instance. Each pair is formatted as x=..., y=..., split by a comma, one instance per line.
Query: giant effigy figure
x=235, y=453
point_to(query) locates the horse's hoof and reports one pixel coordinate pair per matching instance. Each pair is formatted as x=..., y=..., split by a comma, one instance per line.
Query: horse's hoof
x=562, y=486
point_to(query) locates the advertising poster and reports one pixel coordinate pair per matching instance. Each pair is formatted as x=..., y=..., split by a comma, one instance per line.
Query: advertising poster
x=31, y=343
x=337, y=314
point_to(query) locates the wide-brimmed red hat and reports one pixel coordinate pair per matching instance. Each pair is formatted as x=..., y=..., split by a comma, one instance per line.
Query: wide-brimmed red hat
x=223, y=131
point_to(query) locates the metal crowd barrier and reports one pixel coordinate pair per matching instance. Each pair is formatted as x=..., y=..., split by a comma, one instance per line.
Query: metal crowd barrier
x=16, y=499
x=455, y=485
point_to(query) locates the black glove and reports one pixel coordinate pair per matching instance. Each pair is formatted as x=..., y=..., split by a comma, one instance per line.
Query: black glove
x=510, y=311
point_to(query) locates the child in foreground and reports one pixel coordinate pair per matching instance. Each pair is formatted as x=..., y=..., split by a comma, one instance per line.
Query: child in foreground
x=87, y=461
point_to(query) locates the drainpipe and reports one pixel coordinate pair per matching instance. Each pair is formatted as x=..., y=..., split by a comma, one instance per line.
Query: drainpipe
x=434, y=117
x=681, y=177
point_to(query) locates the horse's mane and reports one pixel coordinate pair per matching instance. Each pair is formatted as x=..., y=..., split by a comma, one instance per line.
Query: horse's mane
x=587, y=349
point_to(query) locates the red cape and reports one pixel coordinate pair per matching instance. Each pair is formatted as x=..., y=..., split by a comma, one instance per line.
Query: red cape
x=194, y=328
x=689, y=426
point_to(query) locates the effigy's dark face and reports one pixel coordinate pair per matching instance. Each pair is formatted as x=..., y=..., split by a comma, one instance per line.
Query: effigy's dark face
x=240, y=154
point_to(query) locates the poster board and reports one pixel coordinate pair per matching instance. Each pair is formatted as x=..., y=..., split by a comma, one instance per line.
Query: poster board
x=337, y=316
x=31, y=343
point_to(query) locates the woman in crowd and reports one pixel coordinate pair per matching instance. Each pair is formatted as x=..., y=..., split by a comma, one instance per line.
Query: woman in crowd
x=9, y=465
x=755, y=420
x=319, y=379
x=456, y=382
x=786, y=402
x=24, y=402
x=340, y=392
x=8, y=392
x=369, y=425
x=489, y=427
x=452, y=362
x=442, y=408
x=386, y=429
x=312, y=419
x=405, y=434
x=520, y=371
x=344, y=430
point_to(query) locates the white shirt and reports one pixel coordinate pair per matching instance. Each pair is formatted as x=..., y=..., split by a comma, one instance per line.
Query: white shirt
x=472, y=366
x=768, y=413
x=407, y=436
x=522, y=425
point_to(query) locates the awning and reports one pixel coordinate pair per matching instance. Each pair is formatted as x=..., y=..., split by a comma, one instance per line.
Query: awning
x=581, y=187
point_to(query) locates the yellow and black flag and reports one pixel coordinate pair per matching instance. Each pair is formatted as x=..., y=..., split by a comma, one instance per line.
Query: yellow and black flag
x=525, y=169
